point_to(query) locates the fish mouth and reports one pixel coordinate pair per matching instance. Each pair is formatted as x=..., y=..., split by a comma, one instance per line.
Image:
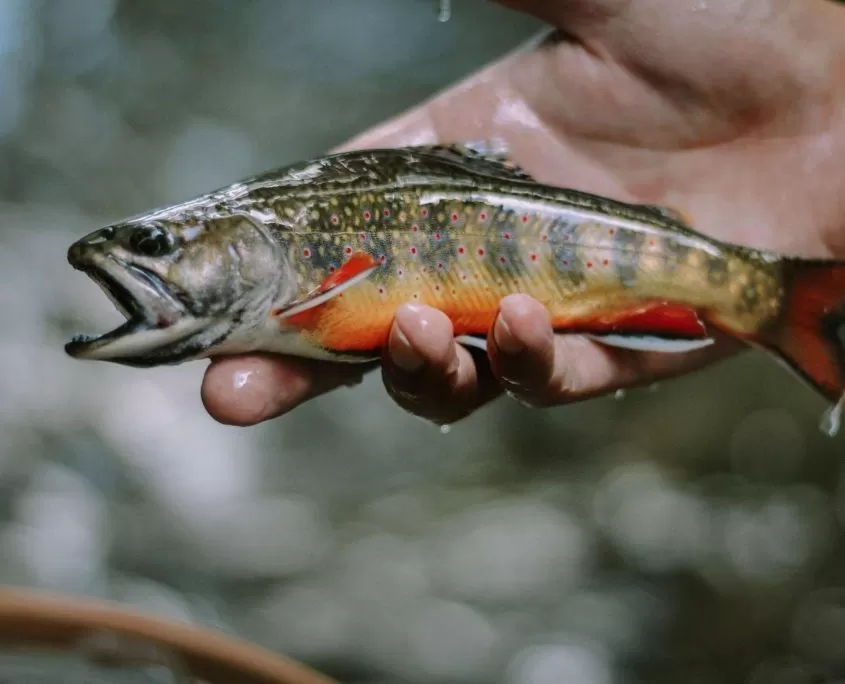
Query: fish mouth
x=155, y=317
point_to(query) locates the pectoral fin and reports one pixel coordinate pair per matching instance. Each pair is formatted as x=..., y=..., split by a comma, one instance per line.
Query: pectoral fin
x=358, y=267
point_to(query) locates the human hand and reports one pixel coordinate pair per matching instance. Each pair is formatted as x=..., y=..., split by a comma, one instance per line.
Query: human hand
x=729, y=111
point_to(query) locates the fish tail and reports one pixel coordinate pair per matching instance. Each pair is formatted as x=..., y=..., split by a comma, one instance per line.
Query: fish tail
x=808, y=336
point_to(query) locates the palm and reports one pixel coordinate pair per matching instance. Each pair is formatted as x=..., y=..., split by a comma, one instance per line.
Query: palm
x=738, y=137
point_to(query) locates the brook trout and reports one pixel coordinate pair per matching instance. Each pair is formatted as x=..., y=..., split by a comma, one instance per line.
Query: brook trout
x=313, y=260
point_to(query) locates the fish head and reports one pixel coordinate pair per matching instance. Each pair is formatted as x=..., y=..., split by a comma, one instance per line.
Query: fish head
x=187, y=288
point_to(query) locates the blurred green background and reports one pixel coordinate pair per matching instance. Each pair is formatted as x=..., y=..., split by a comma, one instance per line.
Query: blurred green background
x=684, y=533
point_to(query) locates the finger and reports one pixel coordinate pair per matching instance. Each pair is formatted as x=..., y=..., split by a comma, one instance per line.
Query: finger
x=543, y=369
x=429, y=374
x=246, y=390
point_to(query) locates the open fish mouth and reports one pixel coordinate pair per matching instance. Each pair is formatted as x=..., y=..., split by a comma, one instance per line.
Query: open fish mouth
x=154, y=316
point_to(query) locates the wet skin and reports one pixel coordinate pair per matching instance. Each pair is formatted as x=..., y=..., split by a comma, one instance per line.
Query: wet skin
x=731, y=114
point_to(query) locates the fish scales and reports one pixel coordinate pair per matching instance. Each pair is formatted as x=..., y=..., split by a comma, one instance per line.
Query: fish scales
x=464, y=256
x=314, y=259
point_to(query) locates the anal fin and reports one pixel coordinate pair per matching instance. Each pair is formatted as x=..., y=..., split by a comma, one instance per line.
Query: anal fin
x=650, y=319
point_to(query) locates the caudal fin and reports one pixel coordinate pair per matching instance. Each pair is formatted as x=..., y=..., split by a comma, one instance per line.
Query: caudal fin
x=809, y=335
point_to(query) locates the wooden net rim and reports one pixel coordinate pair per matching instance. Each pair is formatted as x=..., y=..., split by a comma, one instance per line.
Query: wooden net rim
x=40, y=621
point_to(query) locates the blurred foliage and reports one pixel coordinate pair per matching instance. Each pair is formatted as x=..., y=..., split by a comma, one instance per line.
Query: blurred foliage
x=686, y=533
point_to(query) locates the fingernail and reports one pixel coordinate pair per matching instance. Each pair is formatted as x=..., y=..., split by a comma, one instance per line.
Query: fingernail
x=402, y=353
x=505, y=339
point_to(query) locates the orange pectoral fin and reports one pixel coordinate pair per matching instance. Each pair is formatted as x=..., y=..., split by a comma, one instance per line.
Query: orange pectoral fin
x=355, y=269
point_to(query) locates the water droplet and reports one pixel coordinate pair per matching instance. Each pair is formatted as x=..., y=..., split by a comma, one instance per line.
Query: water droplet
x=832, y=418
x=445, y=11
x=445, y=429
x=241, y=378
x=619, y=395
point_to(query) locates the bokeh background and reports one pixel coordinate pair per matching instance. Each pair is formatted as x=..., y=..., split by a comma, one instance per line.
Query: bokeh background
x=684, y=533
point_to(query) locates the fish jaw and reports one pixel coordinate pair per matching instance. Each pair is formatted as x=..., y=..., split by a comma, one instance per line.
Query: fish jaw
x=158, y=327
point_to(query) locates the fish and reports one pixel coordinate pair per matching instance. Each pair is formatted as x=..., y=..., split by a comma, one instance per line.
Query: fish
x=313, y=259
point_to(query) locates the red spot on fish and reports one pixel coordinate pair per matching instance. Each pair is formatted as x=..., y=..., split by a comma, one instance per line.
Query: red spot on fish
x=613, y=231
x=382, y=258
x=306, y=252
x=525, y=218
x=412, y=249
x=362, y=236
x=424, y=212
x=567, y=237
x=386, y=212
x=334, y=219
x=589, y=264
x=437, y=236
x=651, y=243
x=481, y=251
x=544, y=238
x=454, y=217
x=400, y=272
x=367, y=214
x=347, y=249
x=483, y=216
x=507, y=236
x=565, y=262
x=502, y=260
x=332, y=269
x=533, y=256
x=605, y=262
x=461, y=250
x=439, y=266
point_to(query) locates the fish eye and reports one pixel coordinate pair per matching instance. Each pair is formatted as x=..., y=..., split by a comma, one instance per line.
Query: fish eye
x=151, y=241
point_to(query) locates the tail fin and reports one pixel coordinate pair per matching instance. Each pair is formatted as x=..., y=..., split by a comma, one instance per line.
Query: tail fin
x=810, y=336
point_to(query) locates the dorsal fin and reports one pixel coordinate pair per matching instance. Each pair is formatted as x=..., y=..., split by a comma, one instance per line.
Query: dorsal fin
x=671, y=213
x=489, y=157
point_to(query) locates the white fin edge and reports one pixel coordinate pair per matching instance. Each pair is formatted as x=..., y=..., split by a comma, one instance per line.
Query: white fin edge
x=326, y=296
x=655, y=344
x=470, y=341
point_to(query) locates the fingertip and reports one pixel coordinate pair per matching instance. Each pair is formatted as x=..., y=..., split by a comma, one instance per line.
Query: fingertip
x=523, y=323
x=420, y=335
x=427, y=372
x=522, y=349
x=244, y=391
